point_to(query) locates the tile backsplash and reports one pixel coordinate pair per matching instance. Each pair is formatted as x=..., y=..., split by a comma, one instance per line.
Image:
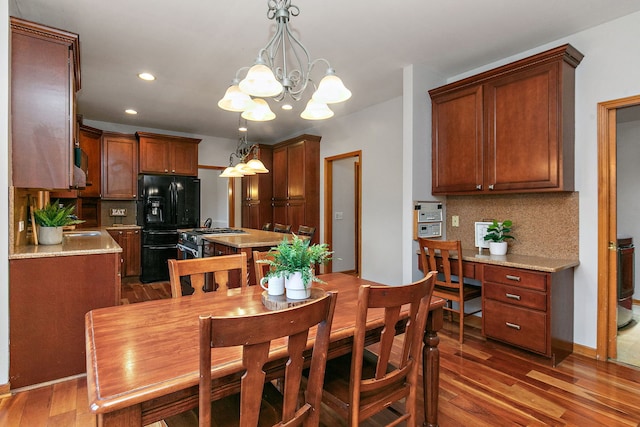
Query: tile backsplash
x=544, y=224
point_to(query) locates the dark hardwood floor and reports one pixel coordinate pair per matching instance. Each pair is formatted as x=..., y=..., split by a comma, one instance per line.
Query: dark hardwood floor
x=482, y=383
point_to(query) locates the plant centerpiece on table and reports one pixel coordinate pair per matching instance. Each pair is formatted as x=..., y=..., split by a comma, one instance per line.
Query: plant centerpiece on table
x=294, y=261
x=497, y=235
x=51, y=219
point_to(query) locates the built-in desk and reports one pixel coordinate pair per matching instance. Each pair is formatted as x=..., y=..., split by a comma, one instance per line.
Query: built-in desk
x=527, y=301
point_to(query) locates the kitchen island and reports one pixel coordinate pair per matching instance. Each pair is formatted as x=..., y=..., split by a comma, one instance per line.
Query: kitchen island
x=51, y=289
x=247, y=242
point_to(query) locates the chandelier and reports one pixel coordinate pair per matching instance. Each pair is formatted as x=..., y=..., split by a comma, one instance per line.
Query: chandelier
x=283, y=69
x=244, y=151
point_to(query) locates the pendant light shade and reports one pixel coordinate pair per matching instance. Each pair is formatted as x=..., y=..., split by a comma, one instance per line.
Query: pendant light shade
x=235, y=100
x=257, y=166
x=331, y=90
x=259, y=111
x=316, y=111
x=260, y=82
x=231, y=172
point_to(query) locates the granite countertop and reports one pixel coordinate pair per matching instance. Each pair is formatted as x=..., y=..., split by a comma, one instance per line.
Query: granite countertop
x=251, y=239
x=77, y=242
x=123, y=226
x=528, y=262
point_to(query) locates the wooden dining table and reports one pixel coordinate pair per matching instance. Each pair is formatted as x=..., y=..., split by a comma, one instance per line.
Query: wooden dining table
x=142, y=359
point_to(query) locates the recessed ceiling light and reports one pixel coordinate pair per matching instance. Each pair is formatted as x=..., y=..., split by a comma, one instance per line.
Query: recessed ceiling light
x=287, y=106
x=130, y=111
x=147, y=76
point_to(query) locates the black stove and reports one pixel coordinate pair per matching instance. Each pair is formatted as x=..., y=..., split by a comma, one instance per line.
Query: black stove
x=191, y=241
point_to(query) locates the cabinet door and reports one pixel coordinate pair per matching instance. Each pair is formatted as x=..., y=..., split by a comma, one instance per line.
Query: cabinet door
x=89, y=140
x=154, y=155
x=457, y=142
x=523, y=147
x=184, y=158
x=119, y=166
x=280, y=174
x=41, y=108
x=132, y=257
x=296, y=170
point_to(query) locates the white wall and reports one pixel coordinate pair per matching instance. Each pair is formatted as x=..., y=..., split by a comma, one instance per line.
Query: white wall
x=4, y=195
x=628, y=154
x=377, y=131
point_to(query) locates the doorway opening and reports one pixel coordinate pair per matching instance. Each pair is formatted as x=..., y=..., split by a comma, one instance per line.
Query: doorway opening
x=607, y=329
x=342, y=211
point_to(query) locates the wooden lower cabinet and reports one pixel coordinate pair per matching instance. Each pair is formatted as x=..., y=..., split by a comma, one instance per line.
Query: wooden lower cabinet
x=529, y=309
x=48, y=300
x=130, y=242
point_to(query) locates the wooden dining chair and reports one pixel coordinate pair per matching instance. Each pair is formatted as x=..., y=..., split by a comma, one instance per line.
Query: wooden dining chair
x=261, y=268
x=361, y=384
x=222, y=271
x=260, y=403
x=266, y=226
x=282, y=228
x=305, y=230
x=445, y=256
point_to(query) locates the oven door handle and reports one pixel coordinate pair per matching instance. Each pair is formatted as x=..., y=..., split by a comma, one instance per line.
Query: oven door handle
x=184, y=248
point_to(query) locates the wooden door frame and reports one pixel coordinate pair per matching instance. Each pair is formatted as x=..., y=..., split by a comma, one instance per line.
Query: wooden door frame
x=328, y=205
x=607, y=226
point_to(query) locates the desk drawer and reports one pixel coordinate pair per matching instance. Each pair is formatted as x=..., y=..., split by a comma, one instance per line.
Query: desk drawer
x=516, y=277
x=519, y=326
x=515, y=295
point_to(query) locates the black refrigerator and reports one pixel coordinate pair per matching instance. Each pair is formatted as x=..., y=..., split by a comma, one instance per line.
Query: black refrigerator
x=165, y=204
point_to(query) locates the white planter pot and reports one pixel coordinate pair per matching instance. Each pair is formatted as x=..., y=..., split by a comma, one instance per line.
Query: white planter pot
x=498, y=248
x=49, y=235
x=296, y=289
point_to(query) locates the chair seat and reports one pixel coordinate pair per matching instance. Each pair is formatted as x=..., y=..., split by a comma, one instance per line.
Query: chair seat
x=470, y=291
x=336, y=386
x=227, y=411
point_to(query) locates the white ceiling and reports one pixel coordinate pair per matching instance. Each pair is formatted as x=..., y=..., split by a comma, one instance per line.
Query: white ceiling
x=194, y=47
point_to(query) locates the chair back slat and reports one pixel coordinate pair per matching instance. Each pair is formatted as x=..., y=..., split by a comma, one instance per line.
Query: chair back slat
x=224, y=270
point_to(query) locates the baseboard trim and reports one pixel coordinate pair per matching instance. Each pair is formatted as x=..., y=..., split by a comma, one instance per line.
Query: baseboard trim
x=5, y=390
x=583, y=350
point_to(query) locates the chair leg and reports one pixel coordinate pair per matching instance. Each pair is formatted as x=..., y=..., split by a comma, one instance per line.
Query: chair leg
x=461, y=319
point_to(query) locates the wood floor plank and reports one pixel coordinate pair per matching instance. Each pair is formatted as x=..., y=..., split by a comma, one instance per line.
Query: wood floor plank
x=37, y=408
x=64, y=397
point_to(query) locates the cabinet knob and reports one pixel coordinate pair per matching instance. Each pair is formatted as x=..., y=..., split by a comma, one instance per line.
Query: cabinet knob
x=166, y=170
x=491, y=187
x=479, y=187
x=173, y=171
x=134, y=196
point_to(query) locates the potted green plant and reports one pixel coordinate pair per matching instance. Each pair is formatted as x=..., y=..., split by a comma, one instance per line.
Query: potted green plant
x=51, y=219
x=497, y=234
x=294, y=261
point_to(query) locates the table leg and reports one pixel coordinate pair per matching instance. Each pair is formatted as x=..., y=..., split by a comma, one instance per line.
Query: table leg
x=431, y=366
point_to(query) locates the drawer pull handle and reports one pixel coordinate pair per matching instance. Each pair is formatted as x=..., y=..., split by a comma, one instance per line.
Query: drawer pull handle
x=513, y=296
x=510, y=277
x=513, y=325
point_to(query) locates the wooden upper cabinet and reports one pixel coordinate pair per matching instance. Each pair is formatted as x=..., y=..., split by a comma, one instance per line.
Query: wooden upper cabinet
x=507, y=130
x=90, y=140
x=166, y=154
x=257, y=192
x=119, y=166
x=45, y=75
x=296, y=182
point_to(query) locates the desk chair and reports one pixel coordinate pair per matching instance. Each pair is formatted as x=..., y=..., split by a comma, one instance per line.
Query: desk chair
x=259, y=403
x=305, y=230
x=376, y=380
x=438, y=255
x=225, y=269
x=281, y=228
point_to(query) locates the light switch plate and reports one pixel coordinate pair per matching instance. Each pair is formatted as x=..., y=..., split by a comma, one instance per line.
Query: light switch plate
x=118, y=212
